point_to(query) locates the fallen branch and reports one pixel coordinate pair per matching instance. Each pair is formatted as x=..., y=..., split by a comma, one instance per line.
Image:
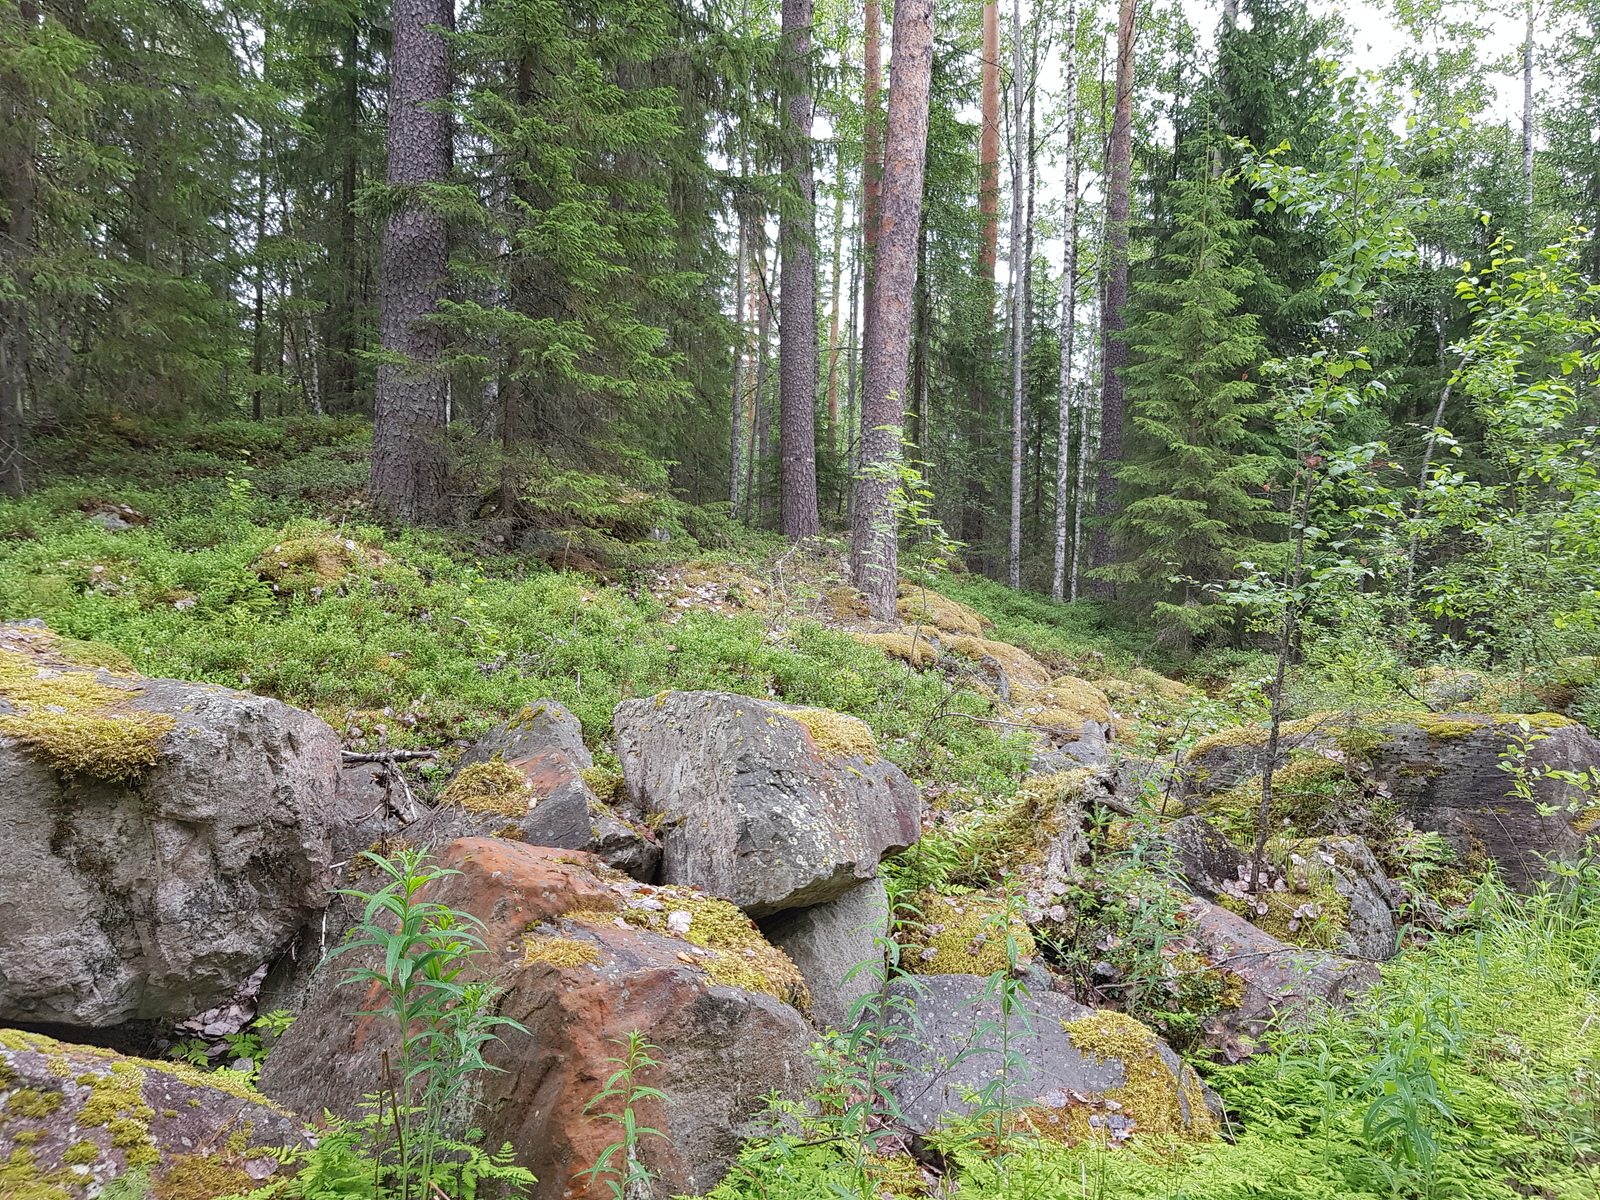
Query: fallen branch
x=387, y=756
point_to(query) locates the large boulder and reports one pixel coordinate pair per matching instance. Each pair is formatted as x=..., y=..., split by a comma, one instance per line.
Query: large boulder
x=838, y=947
x=1275, y=983
x=1448, y=773
x=1483, y=782
x=159, y=840
x=771, y=805
x=587, y=956
x=78, y=1117
x=1075, y=1072
x=529, y=781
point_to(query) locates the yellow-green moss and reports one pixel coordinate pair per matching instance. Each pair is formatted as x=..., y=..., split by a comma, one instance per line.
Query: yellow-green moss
x=922, y=607
x=1150, y=1094
x=960, y=935
x=1313, y=883
x=95, y=654
x=910, y=647
x=70, y=719
x=1018, y=664
x=80, y=1153
x=492, y=787
x=26, y=1102
x=1255, y=735
x=304, y=563
x=1067, y=701
x=557, y=951
x=834, y=734
x=202, y=1177
x=1167, y=689
x=606, y=785
x=21, y=1179
x=740, y=956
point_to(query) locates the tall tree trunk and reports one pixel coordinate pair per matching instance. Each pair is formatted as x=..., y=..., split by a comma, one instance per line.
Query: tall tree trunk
x=738, y=377
x=408, y=449
x=1017, y=269
x=989, y=145
x=833, y=305
x=341, y=387
x=258, y=330
x=1069, y=312
x=762, y=448
x=1527, y=114
x=797, y=334
x=18, y=198
x=1113, y=320
x=872, y=132
x=874, y=546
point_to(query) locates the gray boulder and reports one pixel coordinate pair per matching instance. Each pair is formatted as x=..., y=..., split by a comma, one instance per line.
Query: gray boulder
x=158, y=896
x=1369, y=930
x=80, y=1116
x=1275, y=982
x=1207, y=859
x=1446, y=773
x=1061, y=1062
x=829, y=941
x=545, y=744
x=770, y=805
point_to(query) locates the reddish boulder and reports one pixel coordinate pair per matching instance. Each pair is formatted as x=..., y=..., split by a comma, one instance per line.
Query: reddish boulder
x=586, y=956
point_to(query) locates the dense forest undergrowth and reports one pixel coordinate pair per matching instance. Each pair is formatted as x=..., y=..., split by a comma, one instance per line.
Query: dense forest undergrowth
x=241, y=554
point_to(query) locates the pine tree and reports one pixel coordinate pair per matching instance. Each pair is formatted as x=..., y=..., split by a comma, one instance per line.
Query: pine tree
x=1192, y=481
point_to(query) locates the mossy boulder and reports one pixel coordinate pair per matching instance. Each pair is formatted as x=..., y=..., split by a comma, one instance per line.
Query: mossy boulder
x=77, y=1117
x=772, y=806
x=586, y=956
x=1075, y=1074
x=532, y=780
x=153, y=893
x=970, y=934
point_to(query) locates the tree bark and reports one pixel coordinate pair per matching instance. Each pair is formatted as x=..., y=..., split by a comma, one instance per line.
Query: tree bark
x=989, y=145
x=1069, y=313
x=408, y=438
x=837, y=266
x=797, y=331
x=872, y=132
x=1018, y=268
x=341, y=387
x=874, y=547
x=1114, y=350
x=738, y=377
x=18, y=198
x=1527, y=115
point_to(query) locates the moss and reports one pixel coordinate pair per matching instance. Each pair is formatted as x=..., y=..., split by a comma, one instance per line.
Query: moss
x=70, y=719
x=81, y=1154
x=834, y=734
x=1151, y=1094
x=1311, y=913
x=1441, y=728
x=909, y=646
x=1167, y=689
x=922, y=607
x=740, y=956
x=26, y=1102
x=492, y=787
x=202, y=1177
x=311, y=562
x=1018, y=664
x=96, y=654
x=22, y=1179
x=1256, y=735
x=961, y=935
x=1067, y=702
x=557, y=951
x=606, y=785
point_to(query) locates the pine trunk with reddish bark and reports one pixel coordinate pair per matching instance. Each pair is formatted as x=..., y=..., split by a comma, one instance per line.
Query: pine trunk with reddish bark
x=408, y=438
x=874, y=546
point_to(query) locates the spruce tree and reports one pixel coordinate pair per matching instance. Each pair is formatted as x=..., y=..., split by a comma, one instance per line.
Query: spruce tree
x=1193, y=479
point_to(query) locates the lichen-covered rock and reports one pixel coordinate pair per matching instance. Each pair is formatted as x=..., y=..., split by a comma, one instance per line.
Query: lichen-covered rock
x=828, y=942
x=1207, y=860
x=77, y=1117
x=155, y=896
x=1276, y=982
x=1369, y=897
x=586, y=956
x=1447, y=774
x=1074, y=1074
x=770, y=805
x=971, y=934
x=532, y=780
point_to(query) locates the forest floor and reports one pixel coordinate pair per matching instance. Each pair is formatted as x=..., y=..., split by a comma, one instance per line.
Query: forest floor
x=240, y=554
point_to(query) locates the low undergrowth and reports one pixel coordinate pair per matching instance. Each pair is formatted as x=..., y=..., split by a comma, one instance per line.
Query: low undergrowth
x=1474, y=1071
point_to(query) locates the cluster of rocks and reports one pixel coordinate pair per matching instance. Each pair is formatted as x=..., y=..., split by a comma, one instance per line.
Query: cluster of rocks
x=720, y=898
